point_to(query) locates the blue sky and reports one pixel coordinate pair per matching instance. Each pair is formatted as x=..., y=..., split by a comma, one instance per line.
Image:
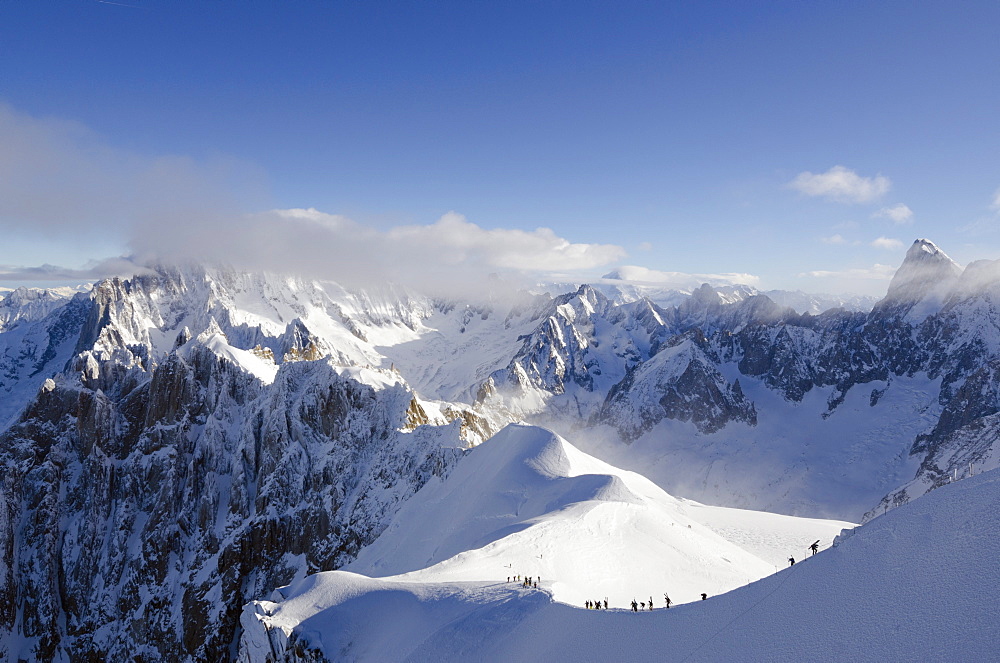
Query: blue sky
x=770, y=139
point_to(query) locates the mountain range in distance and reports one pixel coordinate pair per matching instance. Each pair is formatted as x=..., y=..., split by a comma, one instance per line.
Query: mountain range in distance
x=179, y=445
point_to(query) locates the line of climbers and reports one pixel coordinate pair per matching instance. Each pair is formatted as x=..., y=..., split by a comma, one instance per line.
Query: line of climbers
x=532, y=583
x=637, y=606
x=526, y=581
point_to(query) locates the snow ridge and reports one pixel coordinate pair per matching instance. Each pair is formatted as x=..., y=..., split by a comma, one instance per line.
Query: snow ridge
x=907, y=586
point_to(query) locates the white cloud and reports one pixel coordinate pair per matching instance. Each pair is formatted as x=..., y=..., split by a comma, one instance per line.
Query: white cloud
x=899, y=214
x=450, y=256
x=980, y=227
x=887, y=243
x=856, y=280
x=876, y=272
x=996, y=201
x=59, y=180
x=839, y=240
x=93, y=271
x=321, y=219
x=842, y=185
x=454, y=240
x=644, y=276
x=646, y=246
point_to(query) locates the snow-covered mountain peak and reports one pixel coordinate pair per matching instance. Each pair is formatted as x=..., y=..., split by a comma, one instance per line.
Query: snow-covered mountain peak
x=213, y=329
x=28, y=304
x=586, y=300
x=706, y=295
x=925, y=268
x=530, y=499
x=979, y=276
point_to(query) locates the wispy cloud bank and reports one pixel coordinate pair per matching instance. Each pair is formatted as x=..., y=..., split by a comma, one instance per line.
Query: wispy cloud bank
x=644, y=276
x=91, y=272
x=444, y=254
x=58, y=177
x=842, y=185
x=862, y=280
x=899, y=214
x=61, y=180
x=454, y=239
x=887, y=243
x=876, y=272
x=834, y=239
x=986, y=224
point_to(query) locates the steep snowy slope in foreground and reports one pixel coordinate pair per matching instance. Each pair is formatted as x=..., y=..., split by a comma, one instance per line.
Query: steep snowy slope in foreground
x=529, y=503
x=919, y=583
x=526, y=502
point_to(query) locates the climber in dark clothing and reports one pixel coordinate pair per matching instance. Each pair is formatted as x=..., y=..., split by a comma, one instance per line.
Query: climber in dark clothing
x=814, y=547
x=704, y=596
x=791, y=561
x=635, y=606
x=667, y=599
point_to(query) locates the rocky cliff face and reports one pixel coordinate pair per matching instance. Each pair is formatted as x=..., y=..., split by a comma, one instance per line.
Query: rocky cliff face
x=147, y=494
x=38, y=334
x=679, y=382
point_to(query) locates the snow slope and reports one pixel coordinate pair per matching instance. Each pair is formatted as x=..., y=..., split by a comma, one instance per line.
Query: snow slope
x=794, y=460
x=919, y=583
x=528, y=503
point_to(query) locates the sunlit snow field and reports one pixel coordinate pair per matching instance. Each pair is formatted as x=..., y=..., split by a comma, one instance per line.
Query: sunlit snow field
x=917, y=584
